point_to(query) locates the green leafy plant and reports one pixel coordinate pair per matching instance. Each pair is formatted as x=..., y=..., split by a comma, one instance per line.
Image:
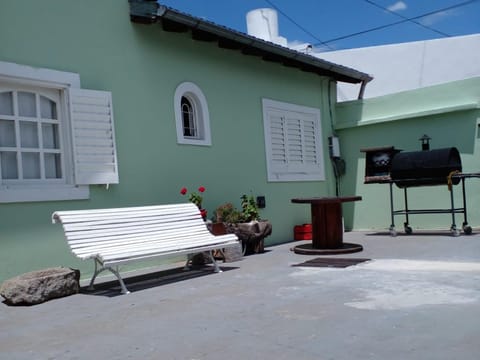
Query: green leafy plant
x=249, y=208
x=227, y=213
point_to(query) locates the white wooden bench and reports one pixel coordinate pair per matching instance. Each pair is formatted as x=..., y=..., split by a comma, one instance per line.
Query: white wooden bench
x=112, y=237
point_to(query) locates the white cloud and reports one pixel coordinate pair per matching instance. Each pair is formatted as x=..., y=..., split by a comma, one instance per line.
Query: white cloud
x=398, y=6
x=434, y=18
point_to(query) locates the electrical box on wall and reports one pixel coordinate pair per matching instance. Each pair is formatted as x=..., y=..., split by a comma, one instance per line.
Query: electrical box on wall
x=334, y=146
x=261, y=202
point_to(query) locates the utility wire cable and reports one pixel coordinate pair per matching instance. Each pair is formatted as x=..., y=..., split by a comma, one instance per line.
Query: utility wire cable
x=398, y=22
x=404, y=17
x=298, y=25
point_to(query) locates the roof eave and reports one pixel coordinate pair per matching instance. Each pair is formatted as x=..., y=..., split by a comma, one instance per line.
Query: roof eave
x=172, y=20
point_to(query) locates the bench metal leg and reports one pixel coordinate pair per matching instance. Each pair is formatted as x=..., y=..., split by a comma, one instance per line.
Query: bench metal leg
x=188, y=263
x=120, y=280
x=114, y=271
x=95, y=273
x=215, y=265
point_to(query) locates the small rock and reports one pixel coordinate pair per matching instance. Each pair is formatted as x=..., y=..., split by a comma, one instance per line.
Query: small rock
x=39, y=286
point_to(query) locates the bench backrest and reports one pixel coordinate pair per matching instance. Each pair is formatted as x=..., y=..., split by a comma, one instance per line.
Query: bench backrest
x=162, y=228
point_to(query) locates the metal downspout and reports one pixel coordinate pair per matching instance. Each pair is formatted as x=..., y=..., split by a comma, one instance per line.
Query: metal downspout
x=362, y=89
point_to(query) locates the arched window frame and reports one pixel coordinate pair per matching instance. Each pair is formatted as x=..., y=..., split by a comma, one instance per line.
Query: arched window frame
x=199, y=125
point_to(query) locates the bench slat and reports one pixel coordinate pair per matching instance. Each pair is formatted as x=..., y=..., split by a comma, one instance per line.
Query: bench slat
x=170, y=207
x=172, y=242
x=177, y=241
x=132, y=229
x=98, y=224
x=95, y=214
x=79, y=221
x=79, y=240
x=130, y=238
x=152, y=248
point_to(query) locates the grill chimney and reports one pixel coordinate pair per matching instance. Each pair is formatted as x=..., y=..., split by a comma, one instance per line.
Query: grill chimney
x=425, y=139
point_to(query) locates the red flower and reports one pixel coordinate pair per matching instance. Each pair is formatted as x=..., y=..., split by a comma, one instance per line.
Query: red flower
x=194, y=197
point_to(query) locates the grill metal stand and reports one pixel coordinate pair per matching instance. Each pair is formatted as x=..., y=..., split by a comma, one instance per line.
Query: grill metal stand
x=453, y=210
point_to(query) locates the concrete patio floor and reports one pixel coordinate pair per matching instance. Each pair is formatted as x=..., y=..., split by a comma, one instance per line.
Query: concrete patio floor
x=419, y=298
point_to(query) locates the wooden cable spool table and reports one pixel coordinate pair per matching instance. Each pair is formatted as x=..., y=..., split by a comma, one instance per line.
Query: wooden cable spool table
x=327, y=226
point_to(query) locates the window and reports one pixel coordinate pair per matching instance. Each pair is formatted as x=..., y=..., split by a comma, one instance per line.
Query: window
x=55, y=138
x=293, y=142
x=190, y=127
x=191, y=115
x=29, y=135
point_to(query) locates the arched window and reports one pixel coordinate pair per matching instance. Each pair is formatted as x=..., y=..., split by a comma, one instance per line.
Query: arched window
x=190, y=128
x=191, y=115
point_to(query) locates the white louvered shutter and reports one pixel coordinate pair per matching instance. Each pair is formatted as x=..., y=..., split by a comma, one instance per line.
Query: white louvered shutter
x=278, y=149
x=93, y=136
x=293, y=144
x=302, y=143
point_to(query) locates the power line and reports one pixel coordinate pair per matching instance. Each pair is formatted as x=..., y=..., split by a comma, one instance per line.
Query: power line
x=404, y=20
x=404, y=17
x=398, y=22
x=298, y=25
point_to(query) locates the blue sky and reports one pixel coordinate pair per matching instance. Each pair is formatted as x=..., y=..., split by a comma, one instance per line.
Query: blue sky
x=320, y=22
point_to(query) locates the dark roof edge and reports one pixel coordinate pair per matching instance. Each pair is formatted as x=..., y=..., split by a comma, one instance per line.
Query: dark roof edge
x=152, y=12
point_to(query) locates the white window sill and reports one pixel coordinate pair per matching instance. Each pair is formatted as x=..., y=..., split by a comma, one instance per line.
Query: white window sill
x=291, y=177
x=13, y=194
x=184, y=141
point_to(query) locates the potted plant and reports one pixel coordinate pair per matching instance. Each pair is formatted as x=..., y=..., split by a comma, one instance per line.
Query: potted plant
x=245, y=223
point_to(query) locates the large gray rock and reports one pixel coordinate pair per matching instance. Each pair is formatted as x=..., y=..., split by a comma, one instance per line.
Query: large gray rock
x=39, y=286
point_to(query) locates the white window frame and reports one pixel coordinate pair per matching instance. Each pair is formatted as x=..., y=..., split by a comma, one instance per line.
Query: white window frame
x=39, y=149
x=200, y=112
x=309, y=129
x=72, y=187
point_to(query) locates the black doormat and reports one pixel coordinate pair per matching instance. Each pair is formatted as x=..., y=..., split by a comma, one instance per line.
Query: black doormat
x=332, y=262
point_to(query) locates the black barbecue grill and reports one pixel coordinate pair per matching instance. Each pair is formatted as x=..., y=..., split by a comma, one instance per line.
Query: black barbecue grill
x=426, y=167
x=415, y=169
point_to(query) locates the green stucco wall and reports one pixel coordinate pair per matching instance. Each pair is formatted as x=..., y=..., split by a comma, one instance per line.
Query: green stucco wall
x=142, y=65
x=449, y=114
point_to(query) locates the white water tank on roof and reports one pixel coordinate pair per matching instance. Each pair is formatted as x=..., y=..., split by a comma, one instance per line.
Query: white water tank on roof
x=263, y=24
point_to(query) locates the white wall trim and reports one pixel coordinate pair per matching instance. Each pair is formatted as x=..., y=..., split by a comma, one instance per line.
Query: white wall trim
x=29, y=73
